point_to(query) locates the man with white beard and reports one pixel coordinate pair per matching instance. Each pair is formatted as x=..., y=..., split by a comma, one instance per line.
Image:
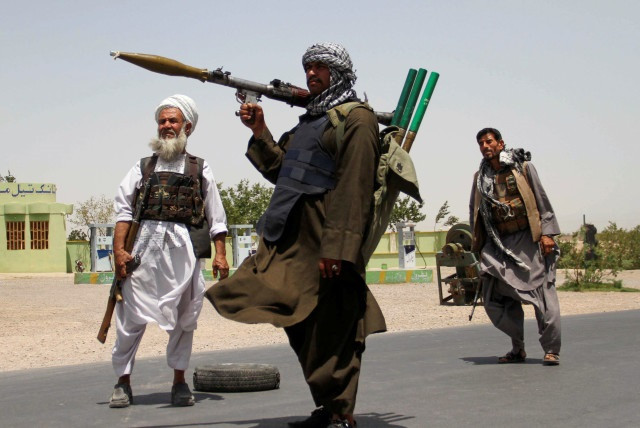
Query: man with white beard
x=180, y=216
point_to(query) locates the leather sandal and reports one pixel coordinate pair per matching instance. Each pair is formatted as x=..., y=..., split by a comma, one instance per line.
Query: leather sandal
x=510, y=358
x=551, y=359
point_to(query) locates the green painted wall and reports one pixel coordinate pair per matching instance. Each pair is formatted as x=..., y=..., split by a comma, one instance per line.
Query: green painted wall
x=429, y=243
x=26, y=202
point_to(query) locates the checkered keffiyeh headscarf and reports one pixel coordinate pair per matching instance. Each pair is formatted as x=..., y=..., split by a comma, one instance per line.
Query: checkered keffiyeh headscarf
x=341, y=74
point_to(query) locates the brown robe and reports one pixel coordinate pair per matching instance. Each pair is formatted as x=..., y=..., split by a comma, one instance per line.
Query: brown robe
x=326, y=320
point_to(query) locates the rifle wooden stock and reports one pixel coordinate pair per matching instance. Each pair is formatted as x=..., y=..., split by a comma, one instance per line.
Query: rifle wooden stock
x=115, y=294
x=276, y=89
x=108, y=313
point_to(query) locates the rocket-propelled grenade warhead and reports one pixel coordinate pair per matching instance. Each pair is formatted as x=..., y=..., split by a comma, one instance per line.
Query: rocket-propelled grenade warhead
x=160, y=64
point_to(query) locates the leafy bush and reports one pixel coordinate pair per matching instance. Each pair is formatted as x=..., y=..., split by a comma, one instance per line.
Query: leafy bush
x=590, y=266
x=585, y=264
x=622, y=245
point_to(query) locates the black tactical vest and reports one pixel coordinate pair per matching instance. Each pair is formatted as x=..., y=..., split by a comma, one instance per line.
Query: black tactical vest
x=307, y=169
x=177, y=198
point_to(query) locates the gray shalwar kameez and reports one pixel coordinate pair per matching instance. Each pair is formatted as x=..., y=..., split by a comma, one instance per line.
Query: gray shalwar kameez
x=506, y=286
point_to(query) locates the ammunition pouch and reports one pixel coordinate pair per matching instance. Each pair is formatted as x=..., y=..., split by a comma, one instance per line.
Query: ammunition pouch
x=511, y=215
x=173, y=198
x=178, y=198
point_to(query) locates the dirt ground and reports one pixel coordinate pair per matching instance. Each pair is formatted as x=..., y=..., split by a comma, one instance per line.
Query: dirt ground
x=49, y=321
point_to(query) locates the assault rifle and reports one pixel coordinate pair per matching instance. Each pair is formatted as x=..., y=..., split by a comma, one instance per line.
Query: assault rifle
x=115, y=293
x=246, y=90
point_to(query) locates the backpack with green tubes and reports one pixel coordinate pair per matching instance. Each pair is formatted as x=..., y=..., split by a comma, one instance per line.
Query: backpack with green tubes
x=395, y=174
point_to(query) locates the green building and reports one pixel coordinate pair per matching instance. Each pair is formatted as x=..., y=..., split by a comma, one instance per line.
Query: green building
x=33, y=236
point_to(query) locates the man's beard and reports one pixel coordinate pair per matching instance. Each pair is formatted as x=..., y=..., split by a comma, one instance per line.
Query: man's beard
x=168, y=149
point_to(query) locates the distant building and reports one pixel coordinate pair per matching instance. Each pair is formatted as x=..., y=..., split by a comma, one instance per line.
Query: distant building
x=33, y=232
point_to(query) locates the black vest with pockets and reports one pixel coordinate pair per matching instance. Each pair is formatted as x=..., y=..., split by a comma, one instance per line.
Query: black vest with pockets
x=188, y=186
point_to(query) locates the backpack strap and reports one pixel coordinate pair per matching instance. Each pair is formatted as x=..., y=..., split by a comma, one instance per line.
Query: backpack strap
x=338, y=117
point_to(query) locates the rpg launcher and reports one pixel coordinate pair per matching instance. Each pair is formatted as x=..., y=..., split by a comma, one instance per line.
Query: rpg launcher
x=246, y=90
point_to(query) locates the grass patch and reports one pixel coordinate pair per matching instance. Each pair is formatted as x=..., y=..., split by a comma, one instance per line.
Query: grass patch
x=596, y=286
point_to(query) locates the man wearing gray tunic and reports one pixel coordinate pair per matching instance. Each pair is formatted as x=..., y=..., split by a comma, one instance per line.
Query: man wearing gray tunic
x=513, y=226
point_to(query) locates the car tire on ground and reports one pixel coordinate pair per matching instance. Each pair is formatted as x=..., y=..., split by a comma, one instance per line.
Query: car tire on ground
x=236, y=377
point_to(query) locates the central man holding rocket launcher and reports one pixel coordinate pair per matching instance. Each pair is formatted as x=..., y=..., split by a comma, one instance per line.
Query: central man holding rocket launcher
x=327, y=210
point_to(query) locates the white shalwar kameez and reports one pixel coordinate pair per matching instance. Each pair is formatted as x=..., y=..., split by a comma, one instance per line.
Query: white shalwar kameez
x=168, y=286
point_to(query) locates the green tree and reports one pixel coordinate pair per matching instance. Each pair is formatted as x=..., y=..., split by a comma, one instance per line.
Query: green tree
x=605, y=261
x=245, y=203
x=444, y=212
x=93, y=210
x=77, y=235
x=451, y=221
x=8, y=178
x=622, y=245
x=406, y=209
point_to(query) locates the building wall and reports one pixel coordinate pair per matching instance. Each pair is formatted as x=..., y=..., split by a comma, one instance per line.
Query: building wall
x=27, y=202
x=427, y=243
x=386, y=254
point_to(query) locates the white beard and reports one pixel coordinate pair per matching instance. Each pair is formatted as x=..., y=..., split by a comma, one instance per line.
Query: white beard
x=168, y=149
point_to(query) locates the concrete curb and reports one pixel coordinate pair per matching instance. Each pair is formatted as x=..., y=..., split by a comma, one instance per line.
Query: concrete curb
x=374, y=276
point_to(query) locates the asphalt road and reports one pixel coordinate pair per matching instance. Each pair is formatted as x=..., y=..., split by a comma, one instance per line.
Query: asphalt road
x=433, y=378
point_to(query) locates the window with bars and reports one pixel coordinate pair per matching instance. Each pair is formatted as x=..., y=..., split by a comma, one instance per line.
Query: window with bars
x=39, y=235
x=15, y=235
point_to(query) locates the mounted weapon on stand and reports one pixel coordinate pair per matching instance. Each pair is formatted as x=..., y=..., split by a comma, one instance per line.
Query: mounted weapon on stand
x=464, y=284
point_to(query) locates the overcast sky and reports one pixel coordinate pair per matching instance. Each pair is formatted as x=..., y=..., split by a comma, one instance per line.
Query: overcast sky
x=559, y=78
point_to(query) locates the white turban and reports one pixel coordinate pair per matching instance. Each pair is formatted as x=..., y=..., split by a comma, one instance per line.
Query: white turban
x=186, y=105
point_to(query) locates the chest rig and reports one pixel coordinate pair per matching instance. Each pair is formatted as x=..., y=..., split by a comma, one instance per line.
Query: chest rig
x=177, y=198
x=173, y=196
x=512, y=216
x=307, y=169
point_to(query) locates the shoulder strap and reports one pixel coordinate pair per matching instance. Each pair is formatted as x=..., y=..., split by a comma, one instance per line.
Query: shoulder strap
x=525, y=172
x=338, y=117
x=147, y=165
x=193, y=167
